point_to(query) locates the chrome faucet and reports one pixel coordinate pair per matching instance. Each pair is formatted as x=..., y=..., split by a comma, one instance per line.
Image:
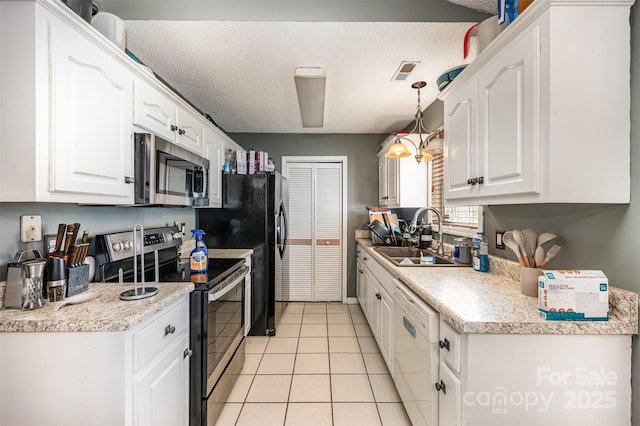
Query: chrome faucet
x=414, y=226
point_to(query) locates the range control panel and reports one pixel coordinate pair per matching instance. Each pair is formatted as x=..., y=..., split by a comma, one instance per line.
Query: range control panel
x=120, y=244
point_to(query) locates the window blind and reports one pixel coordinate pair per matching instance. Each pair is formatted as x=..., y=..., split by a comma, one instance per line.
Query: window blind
x=453, y=215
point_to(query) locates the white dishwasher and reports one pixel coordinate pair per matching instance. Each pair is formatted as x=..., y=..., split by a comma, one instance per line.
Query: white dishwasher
x=415, y=354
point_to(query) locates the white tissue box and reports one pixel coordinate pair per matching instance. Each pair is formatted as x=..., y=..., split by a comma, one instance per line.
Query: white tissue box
x=573, y=295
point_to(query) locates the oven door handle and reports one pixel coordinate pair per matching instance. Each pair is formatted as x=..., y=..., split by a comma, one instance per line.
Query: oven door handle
x=227, y=287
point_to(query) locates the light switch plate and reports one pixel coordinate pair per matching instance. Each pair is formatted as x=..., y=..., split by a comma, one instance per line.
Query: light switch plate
x=30, y=228
x=500, y=240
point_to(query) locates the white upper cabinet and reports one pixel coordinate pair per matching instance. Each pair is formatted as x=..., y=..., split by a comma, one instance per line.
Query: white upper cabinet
x=161, y=113
x=66, y=128
x=214, y=142
x=154, y=110
x=461, y=122
x=91, y=111
x=70, y=106
x=402, y=182
x=532, y=118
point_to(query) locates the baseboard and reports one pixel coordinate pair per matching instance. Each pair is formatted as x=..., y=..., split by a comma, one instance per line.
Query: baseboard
x=352, y=301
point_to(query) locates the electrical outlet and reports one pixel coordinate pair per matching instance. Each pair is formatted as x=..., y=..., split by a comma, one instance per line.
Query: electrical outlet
x=499, y=240
x=30, y=228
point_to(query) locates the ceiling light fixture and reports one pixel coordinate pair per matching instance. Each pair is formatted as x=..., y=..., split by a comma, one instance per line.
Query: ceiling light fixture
x=310, y=85
x=424, y=152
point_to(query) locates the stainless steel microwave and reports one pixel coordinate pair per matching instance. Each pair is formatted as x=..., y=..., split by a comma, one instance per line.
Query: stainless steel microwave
x=166, y=174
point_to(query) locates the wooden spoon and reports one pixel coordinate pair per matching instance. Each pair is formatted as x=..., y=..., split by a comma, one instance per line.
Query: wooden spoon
x=519, y=239
x=508, y=240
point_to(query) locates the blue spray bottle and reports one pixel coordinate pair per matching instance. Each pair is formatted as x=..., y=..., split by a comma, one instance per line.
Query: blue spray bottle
x=199, y=257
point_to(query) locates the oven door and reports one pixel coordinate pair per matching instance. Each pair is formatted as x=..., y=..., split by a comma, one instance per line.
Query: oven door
x=225, y=326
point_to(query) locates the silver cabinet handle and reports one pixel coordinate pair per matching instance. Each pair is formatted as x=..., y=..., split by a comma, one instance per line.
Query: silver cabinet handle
x=187, y=353
x=170, y=329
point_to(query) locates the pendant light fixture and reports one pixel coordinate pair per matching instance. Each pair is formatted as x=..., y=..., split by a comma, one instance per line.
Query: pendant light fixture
x=423, y=152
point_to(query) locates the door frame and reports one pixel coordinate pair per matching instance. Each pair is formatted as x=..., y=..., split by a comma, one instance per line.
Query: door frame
x=343, y=160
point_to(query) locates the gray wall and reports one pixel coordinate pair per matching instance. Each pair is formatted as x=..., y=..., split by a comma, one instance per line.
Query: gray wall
x=362, y=169
x=96, y=220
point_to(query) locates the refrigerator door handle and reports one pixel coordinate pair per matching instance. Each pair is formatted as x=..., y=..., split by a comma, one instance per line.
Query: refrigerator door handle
x=285, y=228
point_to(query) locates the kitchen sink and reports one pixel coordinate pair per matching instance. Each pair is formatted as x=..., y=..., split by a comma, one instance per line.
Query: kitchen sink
x=410, y=256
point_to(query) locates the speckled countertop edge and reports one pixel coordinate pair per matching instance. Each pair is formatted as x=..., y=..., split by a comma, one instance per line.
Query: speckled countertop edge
x=482, y=303
x=105, y=313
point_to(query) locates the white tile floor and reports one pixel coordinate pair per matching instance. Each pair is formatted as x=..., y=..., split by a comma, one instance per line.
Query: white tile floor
x=322, y=368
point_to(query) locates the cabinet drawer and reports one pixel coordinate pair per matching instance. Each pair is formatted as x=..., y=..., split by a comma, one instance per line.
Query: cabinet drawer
x=159, y=333
x=450, y=346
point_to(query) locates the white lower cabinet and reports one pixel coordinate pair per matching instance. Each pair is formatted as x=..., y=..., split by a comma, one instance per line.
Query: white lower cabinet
x=449, y=398
x=501, y=379
x=134, y=377
x=161, y=391
x=524, y=379
x=373, y=287
x=362, y=290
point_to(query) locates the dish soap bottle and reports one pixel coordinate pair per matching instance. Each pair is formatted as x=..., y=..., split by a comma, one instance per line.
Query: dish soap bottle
x=199, y=257
x=480, y=253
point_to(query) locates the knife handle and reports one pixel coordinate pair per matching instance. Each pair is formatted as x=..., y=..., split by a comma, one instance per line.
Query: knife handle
x=73, y=253
x=76, y=229
x=68, y=240
x=61, y=228
x=85, y=236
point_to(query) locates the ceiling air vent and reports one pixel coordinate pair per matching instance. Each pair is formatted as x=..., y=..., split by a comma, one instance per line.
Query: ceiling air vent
x=404, y=70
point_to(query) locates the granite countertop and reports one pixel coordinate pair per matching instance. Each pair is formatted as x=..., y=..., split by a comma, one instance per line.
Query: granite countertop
x=188, y=245
x=229, y=253
x=491, y=303
x=105, y=313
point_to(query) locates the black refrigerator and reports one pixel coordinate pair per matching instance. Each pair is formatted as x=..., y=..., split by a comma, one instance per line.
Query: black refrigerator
x=254, y=215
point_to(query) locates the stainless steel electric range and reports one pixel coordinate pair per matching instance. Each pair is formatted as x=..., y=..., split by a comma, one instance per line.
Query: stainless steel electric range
x=217, y=309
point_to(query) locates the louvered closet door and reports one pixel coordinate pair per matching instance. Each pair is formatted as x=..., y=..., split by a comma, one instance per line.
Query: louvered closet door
x=315, y=230
x=300, y=181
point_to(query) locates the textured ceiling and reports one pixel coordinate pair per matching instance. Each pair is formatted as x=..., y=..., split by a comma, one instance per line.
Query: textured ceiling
x=235, y=59
x=241, y=73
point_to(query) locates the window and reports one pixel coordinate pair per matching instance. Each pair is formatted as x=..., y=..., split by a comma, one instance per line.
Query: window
x=458, y=220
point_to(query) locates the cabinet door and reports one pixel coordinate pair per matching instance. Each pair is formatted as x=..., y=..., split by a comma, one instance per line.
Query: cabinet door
x=382, y=182
x=461, y=115
x=449, y=398
x=509, y=115
x=385, y=317
x=213, y=146
x=362, y=289
x=190, y=129
x=91, y=109
x=161, y=393
x=393, y=182
x=154, y=110
x=374, y=310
